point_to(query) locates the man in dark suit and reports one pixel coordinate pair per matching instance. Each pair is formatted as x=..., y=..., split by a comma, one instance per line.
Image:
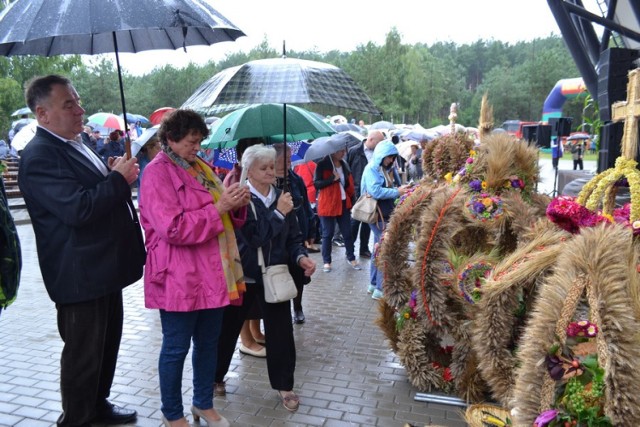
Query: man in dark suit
x=358, y=157
x=89, y=246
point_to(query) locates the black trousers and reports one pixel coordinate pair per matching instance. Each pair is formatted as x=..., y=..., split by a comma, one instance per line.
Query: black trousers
x=91, y=332
x=278, y=332
x=365, y=233
x=578, y=164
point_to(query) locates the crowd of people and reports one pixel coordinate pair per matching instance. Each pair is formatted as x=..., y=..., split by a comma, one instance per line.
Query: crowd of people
x=199, y=253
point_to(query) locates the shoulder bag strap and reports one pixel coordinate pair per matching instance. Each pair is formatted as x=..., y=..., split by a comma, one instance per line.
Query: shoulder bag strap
x=260, y=255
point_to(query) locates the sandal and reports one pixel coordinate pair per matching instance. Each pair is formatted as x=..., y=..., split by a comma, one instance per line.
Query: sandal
x=290, y=400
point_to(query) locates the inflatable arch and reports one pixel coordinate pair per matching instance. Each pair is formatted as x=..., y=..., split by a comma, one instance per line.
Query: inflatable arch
x=563, y=90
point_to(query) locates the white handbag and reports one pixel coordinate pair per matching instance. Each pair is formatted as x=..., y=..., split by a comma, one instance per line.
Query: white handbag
x=278, y=283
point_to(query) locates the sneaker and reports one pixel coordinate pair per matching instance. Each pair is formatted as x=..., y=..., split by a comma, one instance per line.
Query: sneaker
x=354, y=264
x=377, y=294
x=371, y=288
x=326, y=268
x=338, y=242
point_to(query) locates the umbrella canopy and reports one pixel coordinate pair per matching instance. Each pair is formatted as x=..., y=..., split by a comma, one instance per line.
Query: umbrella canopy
x=343, y=127
x=279, y=80
x=227, y=157
x=21, y=112
x=578, y=136
x=383, y=125
x=20, y=123
x=137, y=145
x=418, y=133
x=156, y=117
x=326, y=145
x=26, y=134
x=106, y=120
x=265, y=120
x=404, y=148
x=134, y=118
x=47, y=28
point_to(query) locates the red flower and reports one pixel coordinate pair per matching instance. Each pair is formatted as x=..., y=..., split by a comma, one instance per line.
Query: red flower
x=447, y=375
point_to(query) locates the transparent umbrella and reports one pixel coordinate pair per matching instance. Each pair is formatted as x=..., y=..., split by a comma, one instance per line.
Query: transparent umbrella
x=279, y=80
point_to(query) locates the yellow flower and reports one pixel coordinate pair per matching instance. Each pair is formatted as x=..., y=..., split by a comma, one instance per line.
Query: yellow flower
x=456, y=178
x=635, y=225
x=507, y=184
x=472, y=153
x=484, y=185
x=608, y=216
x=487, y=201
x=448, y=177
x=406, y=315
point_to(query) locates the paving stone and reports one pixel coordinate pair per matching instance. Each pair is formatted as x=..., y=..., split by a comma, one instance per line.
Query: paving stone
x=346, y=374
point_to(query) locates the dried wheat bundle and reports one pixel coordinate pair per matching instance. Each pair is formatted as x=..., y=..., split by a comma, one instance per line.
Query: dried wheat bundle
x=599, y=266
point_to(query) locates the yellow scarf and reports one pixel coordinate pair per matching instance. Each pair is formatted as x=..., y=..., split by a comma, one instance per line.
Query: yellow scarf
x=229, y=254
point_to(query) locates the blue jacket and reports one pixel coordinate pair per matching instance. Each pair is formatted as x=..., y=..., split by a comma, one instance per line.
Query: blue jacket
x=373, y=181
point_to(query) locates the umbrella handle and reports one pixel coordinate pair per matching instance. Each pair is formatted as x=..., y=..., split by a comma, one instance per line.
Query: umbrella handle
x=127, y=146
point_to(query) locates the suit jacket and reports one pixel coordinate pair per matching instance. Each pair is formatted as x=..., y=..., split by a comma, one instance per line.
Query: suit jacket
x=87, y=232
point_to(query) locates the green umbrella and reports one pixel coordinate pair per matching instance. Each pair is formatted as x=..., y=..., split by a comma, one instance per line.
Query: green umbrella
x=266, y=121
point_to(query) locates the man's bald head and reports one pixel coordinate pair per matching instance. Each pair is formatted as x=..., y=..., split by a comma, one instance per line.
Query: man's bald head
x=374, y=137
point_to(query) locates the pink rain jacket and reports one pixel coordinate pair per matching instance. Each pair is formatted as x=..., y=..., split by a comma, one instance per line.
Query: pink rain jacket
x=183, y=271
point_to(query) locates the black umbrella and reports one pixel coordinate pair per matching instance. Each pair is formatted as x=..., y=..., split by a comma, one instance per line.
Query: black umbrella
x=49, y=27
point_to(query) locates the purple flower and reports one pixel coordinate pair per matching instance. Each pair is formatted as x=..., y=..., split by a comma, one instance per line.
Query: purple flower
x=476, y=185
x=545, y=418
x=478, y=207
x=515, y=183
x=462, y=171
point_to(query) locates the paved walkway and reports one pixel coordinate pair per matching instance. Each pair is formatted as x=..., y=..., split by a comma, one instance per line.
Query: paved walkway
x=346, y=375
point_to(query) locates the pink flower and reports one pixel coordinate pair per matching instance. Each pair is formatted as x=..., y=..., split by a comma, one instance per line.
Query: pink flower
x=545, y=418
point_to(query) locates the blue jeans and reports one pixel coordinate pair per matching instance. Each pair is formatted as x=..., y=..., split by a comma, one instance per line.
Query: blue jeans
x=375, y=275
x=328, y=227
x=178, y=328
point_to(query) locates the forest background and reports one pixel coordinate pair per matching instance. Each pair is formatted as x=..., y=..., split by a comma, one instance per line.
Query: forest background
x=408, y=83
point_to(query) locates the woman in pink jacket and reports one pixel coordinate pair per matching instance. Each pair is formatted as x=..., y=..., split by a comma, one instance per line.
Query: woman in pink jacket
x=193, y=266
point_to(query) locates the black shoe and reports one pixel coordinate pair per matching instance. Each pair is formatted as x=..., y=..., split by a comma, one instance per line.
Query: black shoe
x=114, y=414
x=298, y=317
x=365, y=254
x=338, y=242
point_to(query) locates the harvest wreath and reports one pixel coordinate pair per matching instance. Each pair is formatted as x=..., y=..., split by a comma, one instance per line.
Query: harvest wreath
x=603, y=284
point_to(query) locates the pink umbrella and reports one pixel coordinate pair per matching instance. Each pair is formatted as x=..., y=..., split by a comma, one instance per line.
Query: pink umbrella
x=156, y=117
x=106, y=120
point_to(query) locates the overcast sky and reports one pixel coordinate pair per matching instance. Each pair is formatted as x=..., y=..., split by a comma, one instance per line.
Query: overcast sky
x=324, y=25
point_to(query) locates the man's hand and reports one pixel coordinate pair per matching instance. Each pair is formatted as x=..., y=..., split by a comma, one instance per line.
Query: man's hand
x=128, y=168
